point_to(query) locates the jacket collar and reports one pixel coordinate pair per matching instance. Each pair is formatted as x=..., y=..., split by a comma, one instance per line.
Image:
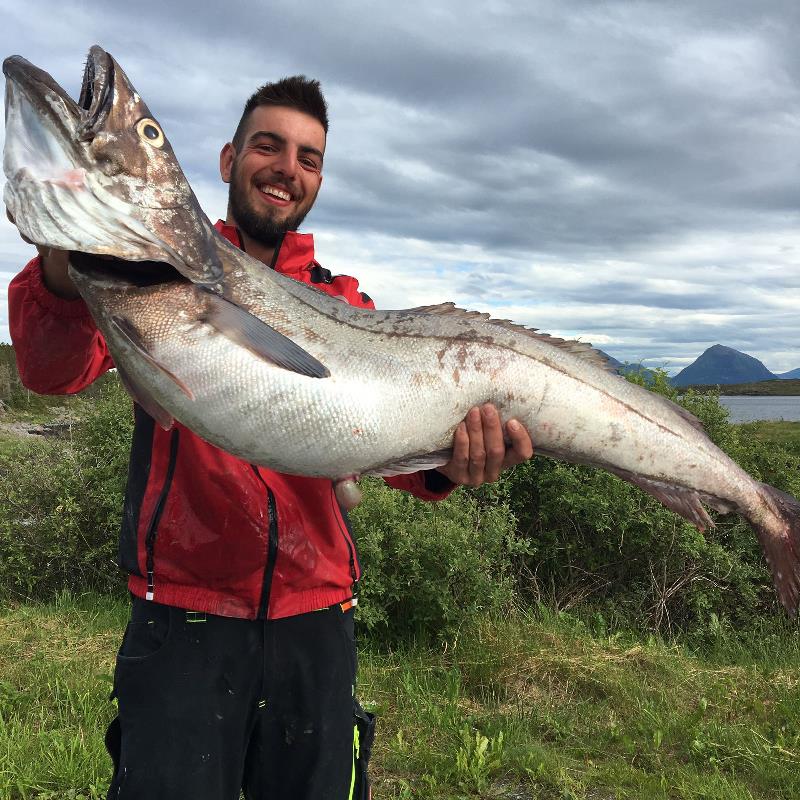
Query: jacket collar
x=296, y=251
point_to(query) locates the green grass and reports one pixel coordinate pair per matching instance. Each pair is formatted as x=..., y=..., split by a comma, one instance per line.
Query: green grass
x=785, y=434
x=777, y=387
x=56, y=664
x=532, y=706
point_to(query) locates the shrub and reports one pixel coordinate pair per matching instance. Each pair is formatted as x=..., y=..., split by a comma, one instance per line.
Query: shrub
x=547, y=531
x=596, y=538
x=430, y=567
x=61, y=502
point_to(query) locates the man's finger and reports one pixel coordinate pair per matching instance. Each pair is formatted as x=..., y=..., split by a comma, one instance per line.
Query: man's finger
x=521, y=446
x=477, y=451
x=460, y=458
x=493, y=443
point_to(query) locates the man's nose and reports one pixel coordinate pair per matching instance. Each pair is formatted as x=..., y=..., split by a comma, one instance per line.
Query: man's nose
x=286, y=163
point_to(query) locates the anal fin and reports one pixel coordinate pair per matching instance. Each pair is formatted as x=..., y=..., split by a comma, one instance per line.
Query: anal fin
x=683, y=501
x=411, y=464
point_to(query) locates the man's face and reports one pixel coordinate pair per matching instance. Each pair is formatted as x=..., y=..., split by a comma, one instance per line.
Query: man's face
x=276, y=174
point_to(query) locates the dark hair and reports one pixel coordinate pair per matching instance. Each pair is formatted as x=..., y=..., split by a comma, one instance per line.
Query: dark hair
x=296, y=92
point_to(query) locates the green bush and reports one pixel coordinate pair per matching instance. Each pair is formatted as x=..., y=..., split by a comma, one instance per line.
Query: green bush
x=547, y=531
x=597, y=540
x=430, y=567
x=61, y=503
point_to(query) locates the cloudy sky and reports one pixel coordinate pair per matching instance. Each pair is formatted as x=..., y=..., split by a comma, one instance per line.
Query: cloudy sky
x=626, y=173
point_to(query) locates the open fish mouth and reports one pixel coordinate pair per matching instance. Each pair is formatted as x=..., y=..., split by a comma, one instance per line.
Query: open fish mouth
x=96, y=95
x=109, y=273
x=41, y=123
x=47, y=128
x=66, y=187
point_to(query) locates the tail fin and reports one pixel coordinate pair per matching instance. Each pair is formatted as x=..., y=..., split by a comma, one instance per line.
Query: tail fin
x=781, y=543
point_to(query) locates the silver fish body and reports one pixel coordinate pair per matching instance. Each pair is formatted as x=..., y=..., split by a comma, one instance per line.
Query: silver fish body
x=285, y=376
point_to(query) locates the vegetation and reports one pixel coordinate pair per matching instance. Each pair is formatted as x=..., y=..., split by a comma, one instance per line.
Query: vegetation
x=430, y=567
x=558, y=634
x=61, y=502
x=549, y=532
x=785, y=435
x=534, y=704
x=19, y=403
x=775, y=387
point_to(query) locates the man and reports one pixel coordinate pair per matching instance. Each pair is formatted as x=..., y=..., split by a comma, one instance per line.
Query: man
x=237, y=669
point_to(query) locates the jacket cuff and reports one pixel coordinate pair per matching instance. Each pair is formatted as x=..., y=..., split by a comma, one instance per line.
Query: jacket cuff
x=436, y=483
x=59, y=306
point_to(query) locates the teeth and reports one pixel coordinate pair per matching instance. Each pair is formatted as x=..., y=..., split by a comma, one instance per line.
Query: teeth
x=275, y=192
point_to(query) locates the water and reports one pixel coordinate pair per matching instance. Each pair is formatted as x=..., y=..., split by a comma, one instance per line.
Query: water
x=749, y=409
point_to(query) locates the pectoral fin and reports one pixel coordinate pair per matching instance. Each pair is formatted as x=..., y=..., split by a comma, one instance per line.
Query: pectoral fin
x=128, y=331
x=248, y=331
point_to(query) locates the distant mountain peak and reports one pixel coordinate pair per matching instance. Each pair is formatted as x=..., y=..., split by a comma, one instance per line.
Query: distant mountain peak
x=720, y=364
x=792, y=374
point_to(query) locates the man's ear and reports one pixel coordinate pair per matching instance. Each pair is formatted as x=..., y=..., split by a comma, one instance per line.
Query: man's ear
x=226, y=158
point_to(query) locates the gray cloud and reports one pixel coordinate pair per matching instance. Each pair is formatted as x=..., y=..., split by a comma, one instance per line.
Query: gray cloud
x=574, y=155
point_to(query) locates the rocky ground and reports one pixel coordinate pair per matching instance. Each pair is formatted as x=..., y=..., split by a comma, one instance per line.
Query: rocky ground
x=60, y=425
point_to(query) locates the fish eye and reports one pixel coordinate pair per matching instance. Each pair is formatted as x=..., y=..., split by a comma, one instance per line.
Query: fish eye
x=150, y=131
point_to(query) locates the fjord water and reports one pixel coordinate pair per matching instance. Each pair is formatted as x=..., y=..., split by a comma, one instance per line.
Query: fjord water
x=745, y=408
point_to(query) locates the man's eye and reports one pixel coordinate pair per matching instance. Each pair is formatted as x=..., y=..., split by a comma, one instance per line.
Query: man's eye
x=267, y=148
x=310, y=164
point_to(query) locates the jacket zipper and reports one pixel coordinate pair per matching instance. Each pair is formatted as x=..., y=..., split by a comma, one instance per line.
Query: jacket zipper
x=152, y=529
x=272, y=548
x=347, y=534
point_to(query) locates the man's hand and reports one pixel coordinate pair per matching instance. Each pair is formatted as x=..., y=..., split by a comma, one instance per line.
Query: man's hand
x=480, y=453
x=54, y=267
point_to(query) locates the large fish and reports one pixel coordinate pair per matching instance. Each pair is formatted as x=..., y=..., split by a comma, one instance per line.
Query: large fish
x=287, y=377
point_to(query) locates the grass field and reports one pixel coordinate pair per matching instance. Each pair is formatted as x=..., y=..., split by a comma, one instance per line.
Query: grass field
x=786, y=434
x=533, y=706
x=778, y=388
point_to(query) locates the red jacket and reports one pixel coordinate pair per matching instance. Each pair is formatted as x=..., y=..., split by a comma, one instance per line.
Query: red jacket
x=202, y=529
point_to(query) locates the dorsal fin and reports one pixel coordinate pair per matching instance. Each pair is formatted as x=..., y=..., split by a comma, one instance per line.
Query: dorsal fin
x=580, y=349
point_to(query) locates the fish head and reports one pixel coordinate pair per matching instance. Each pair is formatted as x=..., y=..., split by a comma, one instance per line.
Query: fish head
x=99, y=176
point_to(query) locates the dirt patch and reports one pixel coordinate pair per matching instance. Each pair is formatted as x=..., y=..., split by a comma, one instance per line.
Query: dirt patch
x=59, y=427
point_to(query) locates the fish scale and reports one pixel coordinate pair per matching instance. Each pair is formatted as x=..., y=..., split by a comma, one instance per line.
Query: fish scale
x=287, y=377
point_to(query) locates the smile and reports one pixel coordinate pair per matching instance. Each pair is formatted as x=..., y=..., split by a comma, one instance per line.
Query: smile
x=273, y=191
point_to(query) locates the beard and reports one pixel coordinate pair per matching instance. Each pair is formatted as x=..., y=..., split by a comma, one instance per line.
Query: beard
x=263, y=225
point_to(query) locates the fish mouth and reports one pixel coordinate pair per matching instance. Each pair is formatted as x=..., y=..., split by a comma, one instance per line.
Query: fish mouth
x=47, y=132
x=57, y=191
x=82, y=177
x=27, y=84
x=97, y=95
x=114, y=273
x=50, y=126
x=41, y=122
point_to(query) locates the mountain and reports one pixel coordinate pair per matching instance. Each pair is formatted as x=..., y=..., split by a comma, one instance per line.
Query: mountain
x=793, y=374
x=721, y=365
x=624, y=369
